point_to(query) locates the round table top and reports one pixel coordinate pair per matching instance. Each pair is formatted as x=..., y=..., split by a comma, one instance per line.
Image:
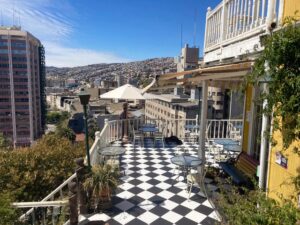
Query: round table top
x=148, y=129
x=113, y=150
x=191, y=126
x=186, y=160
x=229, y=144
x=148, y=125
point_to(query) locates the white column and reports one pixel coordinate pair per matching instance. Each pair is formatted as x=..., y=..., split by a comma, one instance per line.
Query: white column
x=264, y=140
x=203, y=121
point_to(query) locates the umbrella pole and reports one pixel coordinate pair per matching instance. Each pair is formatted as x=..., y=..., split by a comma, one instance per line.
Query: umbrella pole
x=125, y=112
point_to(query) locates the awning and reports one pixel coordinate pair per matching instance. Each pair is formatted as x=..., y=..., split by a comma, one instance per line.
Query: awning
x=231, y=74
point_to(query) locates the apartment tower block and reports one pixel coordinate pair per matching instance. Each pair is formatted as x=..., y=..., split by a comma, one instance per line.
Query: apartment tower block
x=22, y=79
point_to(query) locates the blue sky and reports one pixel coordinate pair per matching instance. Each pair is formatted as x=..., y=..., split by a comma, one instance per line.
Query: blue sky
x=81, y=32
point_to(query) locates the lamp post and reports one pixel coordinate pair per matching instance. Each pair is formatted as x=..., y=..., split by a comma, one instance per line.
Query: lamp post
x=84, y=100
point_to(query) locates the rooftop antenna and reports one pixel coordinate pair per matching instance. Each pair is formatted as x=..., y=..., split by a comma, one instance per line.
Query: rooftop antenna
x=181, y=36
x=13, y=14
x=13, y=17
x=1, y=19
x=19, y=20
x=195, y=27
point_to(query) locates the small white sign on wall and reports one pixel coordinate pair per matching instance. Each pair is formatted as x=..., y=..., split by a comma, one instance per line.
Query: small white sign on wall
x=281, y=160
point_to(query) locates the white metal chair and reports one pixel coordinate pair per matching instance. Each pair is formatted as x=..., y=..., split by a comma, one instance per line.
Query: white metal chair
x=193, y=178
x=137, y=135
x=159, y=136
x=180, y=169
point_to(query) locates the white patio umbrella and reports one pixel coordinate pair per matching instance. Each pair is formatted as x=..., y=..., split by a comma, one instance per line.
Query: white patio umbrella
x=126, y=92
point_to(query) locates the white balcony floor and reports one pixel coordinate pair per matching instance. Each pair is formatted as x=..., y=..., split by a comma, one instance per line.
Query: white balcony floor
x=147, y=196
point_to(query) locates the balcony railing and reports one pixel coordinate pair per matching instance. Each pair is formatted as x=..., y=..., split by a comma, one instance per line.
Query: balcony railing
x=234, y=20
x=113, y=131
x=184, y=129
x=46, y=210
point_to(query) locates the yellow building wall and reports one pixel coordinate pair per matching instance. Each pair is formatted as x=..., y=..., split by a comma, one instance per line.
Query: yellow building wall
x=290, y=7
x=280, y=178
x=246, y=113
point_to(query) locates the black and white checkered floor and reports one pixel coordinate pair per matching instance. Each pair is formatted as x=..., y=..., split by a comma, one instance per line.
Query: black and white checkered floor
x=149, y=195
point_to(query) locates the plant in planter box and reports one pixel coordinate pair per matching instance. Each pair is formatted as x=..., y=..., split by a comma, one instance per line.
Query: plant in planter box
x=101, y=184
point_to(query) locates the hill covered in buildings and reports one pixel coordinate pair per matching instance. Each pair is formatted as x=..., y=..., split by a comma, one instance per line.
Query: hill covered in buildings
x=138, y=72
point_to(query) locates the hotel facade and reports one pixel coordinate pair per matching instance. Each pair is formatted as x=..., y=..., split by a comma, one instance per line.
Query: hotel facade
x=22, y=79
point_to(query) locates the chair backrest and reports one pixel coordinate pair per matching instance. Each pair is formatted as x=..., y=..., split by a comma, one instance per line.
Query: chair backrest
x=246, y=164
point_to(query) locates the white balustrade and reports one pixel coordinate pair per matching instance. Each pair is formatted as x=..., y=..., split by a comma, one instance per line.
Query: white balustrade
x=173, y=127
x=224, y=129
x=233, y=20
x=113, y=131
x=47, y=202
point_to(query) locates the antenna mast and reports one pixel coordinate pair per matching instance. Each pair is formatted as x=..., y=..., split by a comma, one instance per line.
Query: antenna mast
x=180, y=37
x=13, y=17
x=19, y=20
x=195, y=27
x=1, y=18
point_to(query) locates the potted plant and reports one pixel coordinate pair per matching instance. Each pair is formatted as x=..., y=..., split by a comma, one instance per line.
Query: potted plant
x=101, y=184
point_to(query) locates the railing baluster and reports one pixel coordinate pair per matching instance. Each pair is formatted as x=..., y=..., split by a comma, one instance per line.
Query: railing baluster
x=218, y=128
x=228, y=20
x=245, y=16
x=253, y=14
x=237, y=17
x=230, y=25
x=212, y=30
x=263, y=8
x=220, y=33
x=209, y=31
x=53, y=218
x=33, y=216
x=44, y=216
x=241, y=16
x=222, y=128
x=257, y=22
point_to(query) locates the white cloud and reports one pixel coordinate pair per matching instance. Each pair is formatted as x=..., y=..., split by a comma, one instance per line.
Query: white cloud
x=39, y=17
x=60, y=56
x=47, y=20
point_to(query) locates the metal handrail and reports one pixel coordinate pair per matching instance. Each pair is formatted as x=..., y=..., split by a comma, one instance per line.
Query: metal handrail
x=50, y=196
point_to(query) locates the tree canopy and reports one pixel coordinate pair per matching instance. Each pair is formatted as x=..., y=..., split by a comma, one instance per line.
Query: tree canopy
x=30, y=173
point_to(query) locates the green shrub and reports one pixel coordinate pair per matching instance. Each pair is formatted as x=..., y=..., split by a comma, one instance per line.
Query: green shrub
x=253, y=207
x=32, y=173
x=8, y=215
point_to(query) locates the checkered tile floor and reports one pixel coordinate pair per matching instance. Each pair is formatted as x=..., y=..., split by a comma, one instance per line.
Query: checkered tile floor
x=147, y=196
